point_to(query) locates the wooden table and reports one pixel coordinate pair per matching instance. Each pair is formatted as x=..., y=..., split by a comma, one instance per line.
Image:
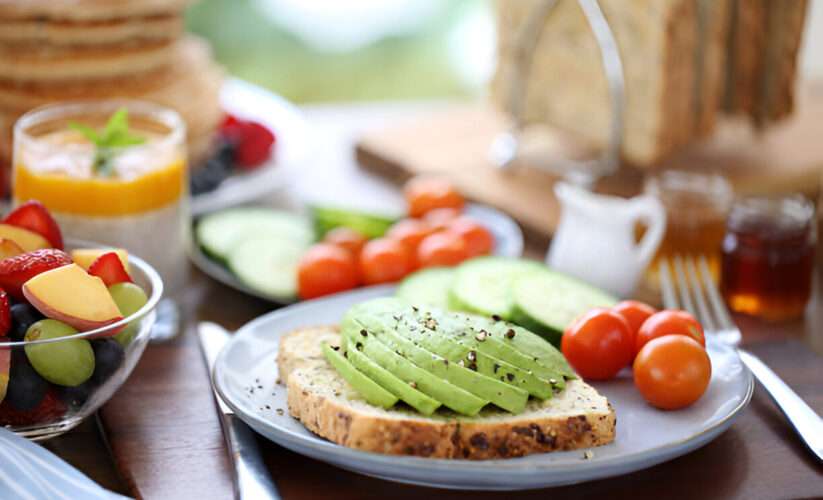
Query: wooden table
x=163, y=431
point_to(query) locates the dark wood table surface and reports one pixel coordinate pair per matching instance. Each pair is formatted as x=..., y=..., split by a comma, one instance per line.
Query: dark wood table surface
x=159, y=436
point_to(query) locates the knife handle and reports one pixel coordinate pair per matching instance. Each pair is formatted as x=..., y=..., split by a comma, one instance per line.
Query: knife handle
x=253, y=478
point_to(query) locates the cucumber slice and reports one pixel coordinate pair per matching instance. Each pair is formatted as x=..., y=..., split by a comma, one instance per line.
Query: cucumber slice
x=370, y=225
x=483, y=285
x=219, y=232
x=267, y=265
x=428, y=287
x=547, y=302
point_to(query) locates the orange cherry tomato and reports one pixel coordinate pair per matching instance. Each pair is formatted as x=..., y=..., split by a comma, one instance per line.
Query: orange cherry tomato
x=672, y=372
x=598, y=344
x=635, y=312
x=384, y=260
x=325, y=269
x=428, y=192
x=440, y=218
x=479, y=240
x=347, y=239
x=441, y=249
x=409, y=232
x=669, y=322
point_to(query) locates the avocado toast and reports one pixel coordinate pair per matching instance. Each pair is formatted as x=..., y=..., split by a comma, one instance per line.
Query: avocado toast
x=398, y=379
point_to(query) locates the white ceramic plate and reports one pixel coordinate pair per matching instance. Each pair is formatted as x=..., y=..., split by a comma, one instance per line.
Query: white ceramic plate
x=508, y=239
x=293, y=147
x=246, y=371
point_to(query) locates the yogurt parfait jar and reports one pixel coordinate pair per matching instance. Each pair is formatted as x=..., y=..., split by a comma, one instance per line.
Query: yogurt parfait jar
x=113, y=172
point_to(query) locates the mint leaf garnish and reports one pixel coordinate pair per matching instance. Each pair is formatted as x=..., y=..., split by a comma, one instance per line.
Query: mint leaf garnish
x=115, y=134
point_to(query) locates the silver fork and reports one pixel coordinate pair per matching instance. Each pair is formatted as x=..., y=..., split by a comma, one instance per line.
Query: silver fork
x=700, y=297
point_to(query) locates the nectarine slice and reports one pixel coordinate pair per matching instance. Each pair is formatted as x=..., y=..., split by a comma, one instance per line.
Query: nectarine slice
x=84, y=257
x=27, y=240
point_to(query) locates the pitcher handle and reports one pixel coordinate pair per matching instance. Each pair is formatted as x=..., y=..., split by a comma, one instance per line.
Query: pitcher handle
x=650, y=211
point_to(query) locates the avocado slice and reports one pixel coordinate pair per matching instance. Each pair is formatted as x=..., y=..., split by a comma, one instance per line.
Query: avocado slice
x=438, y=389
x=367, y=388
x=505, y=396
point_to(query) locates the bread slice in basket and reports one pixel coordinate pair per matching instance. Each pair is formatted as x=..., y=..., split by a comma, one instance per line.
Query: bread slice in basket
x=575, y=418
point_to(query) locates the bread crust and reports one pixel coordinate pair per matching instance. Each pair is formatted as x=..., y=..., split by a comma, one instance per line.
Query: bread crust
x=576, y=418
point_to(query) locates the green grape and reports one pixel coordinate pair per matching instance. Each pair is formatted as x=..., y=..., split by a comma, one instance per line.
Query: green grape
x=129, y=299
x=67, y=362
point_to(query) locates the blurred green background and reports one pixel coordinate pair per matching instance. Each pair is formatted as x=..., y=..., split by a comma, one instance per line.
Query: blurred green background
x=328, y=50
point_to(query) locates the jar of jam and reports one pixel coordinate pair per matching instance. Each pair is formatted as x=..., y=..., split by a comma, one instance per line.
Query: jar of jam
x=768, y=256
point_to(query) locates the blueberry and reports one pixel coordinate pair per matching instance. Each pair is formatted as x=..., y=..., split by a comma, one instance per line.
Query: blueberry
x=108, y=356
x=23, y=315
x=74, y=396
x=26, y=387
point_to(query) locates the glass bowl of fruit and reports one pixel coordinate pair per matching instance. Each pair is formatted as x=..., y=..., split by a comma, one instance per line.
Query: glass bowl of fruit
x=76, y=322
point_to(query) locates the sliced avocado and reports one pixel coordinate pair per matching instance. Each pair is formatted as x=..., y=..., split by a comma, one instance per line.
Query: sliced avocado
x=505, y=396
x=449, y=395
x=429, y=286
x=367, y=388
x=483, y=285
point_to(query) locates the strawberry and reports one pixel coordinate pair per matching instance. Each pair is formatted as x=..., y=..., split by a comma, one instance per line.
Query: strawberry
x=109, y=268
x=17, y=270
x=252, y=141
x=5, y=313
x=51, y=408
x=9, y=248
x=32, y=215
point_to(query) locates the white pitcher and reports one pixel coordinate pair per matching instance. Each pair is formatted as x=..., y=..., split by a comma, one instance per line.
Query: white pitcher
x=595, y=239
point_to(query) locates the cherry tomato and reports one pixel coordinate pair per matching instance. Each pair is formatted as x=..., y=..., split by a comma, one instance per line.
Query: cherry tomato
x=479, y=240
x=325, y=269
x=409, y=232
x=635, y=312
x=347, y=239
x=669, y=322
x=598, y=344
x=384, y=260
x=441, y=249
x=428, y=192
x=672, y=372
x=440, y=218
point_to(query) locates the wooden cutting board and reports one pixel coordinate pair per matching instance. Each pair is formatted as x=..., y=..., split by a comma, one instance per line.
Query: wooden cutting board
x=455, y=141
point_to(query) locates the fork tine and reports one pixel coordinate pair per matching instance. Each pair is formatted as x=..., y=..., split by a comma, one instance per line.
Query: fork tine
x=683, y=285
x=669, y=295
x=719, y=308
x=705, y=317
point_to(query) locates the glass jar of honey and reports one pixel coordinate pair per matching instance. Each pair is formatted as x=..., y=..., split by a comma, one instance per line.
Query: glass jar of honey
x=768, y=256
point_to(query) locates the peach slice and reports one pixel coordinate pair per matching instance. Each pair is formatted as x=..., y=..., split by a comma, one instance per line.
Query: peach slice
x=25, y=239
x=5, y=367
x=8, y=248
x=84, y=257
x=71, y=295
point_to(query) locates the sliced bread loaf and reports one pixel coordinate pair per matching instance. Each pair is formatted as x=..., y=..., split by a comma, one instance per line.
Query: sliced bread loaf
x=577, y=417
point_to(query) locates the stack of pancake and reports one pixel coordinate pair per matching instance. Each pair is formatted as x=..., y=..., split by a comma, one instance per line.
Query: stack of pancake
x=58, y=50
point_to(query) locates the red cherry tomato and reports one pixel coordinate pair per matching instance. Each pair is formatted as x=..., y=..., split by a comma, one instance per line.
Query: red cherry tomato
x=409, y=232
x=440, y=218
x=325, y=269
x=669, y=322
x=598, y=344
x=347, y=239
x=428, y=192
x=441, y=249
x=635, y=312
x=479, y=240
x=672, y=372
x=384, y=260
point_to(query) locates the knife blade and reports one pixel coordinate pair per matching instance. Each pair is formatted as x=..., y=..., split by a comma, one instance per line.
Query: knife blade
x=252, y=477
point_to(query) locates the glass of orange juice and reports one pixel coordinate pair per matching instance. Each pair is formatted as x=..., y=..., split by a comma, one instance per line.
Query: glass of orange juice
x=113, y=172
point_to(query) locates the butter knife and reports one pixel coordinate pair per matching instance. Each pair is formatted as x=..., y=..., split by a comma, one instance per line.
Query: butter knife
x=252, y=476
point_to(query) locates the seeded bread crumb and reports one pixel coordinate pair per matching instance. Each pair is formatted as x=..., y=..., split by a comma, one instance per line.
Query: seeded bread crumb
x=575, y=418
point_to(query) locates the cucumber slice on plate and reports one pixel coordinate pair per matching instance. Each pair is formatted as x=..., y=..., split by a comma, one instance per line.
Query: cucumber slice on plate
x=219, y=232
x=547, y=302
x=368, y=224
x=267, y=265
x=428, y=287
x=483, y=285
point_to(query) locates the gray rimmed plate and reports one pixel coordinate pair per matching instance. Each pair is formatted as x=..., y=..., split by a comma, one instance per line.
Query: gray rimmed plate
x=245, y=377
x=508, y=240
